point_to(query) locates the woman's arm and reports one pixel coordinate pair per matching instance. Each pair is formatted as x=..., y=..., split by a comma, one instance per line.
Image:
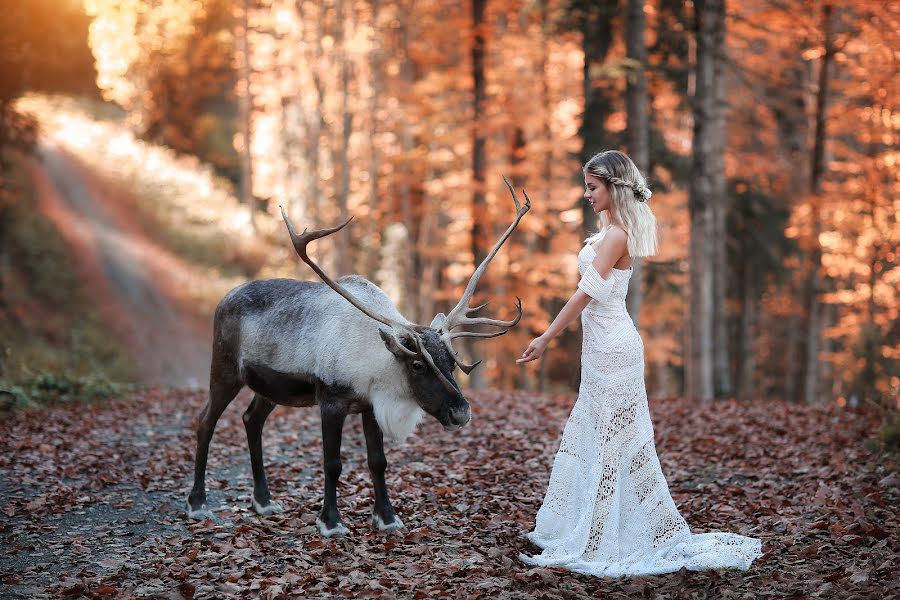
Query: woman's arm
x=568, y=313
x=592, y=286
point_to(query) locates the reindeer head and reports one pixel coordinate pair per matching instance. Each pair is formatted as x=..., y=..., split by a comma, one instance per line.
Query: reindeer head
x=426, y=353
x=428, y=365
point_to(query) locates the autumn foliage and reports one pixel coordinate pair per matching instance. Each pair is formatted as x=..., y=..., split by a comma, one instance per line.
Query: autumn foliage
x=769, y=134
x=366, y=108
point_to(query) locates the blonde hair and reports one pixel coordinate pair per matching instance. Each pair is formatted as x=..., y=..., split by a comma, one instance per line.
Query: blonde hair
x=629, y=199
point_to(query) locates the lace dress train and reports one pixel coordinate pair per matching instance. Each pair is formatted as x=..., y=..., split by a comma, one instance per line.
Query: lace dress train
x=608, y=510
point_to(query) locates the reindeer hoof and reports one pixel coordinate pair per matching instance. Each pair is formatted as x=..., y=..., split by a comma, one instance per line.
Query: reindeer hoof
x=200, y=514
x=379, y=524
x=337, y=530
x=269, y=509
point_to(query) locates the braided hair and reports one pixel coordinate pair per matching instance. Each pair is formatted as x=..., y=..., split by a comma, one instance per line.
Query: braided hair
x=629, y=199
x=641, y=192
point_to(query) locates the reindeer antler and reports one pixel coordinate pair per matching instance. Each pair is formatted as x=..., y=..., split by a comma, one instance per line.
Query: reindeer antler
x=460, y=315
x=301, y=241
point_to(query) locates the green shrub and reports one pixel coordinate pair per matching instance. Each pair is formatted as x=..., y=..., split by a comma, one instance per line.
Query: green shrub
x=53, y=389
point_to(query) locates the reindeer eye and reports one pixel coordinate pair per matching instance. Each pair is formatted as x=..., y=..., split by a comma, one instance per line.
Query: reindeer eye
x=418, y=366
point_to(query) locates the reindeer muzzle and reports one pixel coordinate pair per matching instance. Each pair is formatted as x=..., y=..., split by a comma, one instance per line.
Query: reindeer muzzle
x=457, y=418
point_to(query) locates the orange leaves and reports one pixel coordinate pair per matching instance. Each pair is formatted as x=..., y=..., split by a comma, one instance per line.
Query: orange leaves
x=801, y=477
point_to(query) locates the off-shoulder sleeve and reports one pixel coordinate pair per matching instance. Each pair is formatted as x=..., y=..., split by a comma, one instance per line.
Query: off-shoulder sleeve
x=593, y=284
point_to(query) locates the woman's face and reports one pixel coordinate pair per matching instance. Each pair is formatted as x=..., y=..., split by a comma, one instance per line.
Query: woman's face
x=596, y=193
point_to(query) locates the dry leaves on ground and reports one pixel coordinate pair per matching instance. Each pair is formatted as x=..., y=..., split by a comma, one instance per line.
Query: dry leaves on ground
x=93, y=504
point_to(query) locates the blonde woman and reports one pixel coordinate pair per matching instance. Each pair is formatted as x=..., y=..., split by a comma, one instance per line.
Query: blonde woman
x=608, y=510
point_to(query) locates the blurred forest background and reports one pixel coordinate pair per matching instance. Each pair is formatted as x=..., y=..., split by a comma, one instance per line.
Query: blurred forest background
x=768, y=130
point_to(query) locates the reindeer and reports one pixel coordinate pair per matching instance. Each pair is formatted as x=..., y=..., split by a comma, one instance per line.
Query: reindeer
x=298, y=343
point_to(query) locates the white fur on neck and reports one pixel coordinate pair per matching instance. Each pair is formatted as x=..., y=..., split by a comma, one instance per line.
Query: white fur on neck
x=397, y=416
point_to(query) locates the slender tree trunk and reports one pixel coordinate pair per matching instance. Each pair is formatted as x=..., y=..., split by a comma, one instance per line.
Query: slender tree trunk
x=291, y=200
x=430, y=270
x=553, y=305
x=479, y=139
x=723, y=386
x=414, y=291
x=479, y=210
x=374, y=163
x=245, y=106
x=517, y=152
x=596, y=39
x=746, y=389
x=707, y=177
x=814, y=282
x=344, y=262
x=432, y=224
x=795, y=125
x=662, y=372
x=4, y=221
x=870, y=344
x=637, y=131
x=314, y=121
x=4, y=139
x=432, y=227
x=791, y=358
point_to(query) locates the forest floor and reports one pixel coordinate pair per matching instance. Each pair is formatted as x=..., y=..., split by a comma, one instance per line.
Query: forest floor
x=93, y=501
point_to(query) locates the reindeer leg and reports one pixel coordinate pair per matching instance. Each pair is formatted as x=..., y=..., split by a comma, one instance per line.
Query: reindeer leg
x=254, y=420
x=383, y=516
x=333, y=414
x=223, y=388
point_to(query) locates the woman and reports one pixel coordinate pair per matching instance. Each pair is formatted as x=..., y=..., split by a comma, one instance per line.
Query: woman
x=608, y=510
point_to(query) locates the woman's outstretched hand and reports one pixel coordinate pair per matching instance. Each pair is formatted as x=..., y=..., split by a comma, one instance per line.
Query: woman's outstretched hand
x=534, y=351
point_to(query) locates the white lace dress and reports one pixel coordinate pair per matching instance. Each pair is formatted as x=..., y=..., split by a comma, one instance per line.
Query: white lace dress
x=608, y=510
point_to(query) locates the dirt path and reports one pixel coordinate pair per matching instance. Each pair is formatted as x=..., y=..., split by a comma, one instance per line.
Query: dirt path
x=133, y=280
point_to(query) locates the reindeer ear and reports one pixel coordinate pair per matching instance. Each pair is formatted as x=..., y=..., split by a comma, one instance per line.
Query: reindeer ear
x=392, y=344
x=438, y=321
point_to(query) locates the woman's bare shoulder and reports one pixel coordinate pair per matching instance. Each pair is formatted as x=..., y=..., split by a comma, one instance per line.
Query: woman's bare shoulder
x=617, y=232
x=613, y=235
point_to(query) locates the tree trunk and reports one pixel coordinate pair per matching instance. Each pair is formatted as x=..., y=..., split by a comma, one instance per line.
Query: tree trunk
x=479, y=209
x=723, y=386
x=637, y=131
x=707, y=188
x=791, y=360
x=517, y=152
x=814, y=279
x=344, y=262
x=794, y=128
x=596, y=39
x=662, y=375
x=245, y=106
x=371, y=265
x=870, y=330
x=314, y=125
x=552, y=305
x=746, y=389
x=414, y=291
